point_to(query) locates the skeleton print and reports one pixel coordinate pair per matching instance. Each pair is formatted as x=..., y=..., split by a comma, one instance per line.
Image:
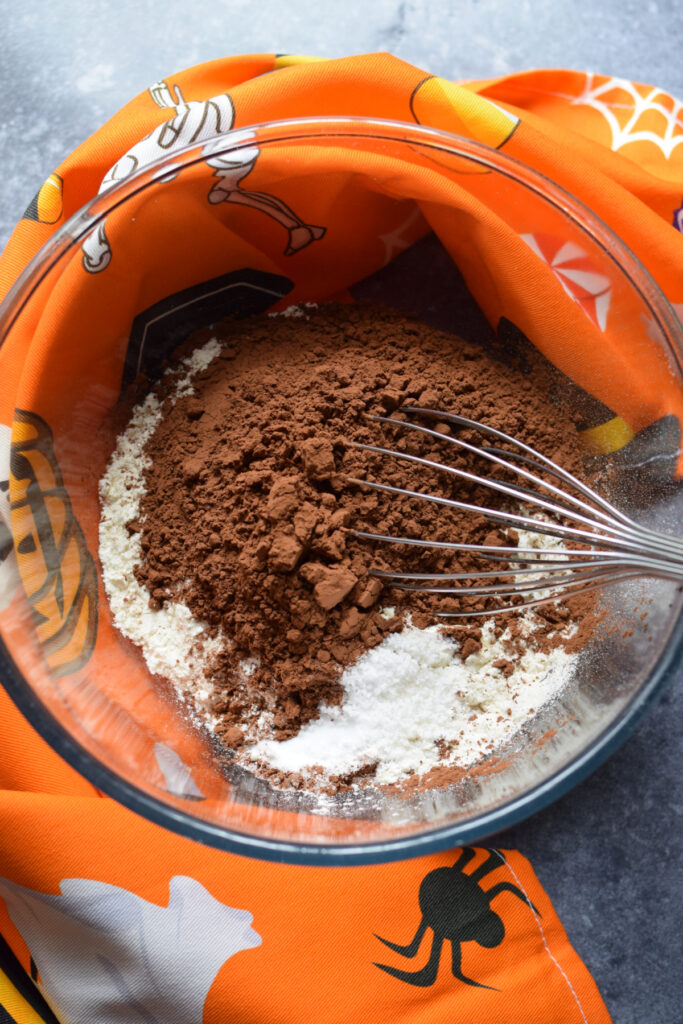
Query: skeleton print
x=194, y=122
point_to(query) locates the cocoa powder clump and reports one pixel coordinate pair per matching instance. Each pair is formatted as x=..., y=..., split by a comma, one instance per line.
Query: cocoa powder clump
x=250, y=497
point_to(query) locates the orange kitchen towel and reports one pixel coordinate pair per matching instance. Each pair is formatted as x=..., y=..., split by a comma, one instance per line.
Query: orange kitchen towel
x=114, y=918
x=118, y=920
x=613, y=144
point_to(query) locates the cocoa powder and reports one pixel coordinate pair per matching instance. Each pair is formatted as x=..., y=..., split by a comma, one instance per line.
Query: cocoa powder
x=249, y=500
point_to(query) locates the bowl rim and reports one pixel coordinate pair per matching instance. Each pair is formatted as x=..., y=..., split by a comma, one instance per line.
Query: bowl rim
x=474, y=830
x=429, y=840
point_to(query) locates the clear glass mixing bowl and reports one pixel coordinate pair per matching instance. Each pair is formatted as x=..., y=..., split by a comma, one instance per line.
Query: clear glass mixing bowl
x=106, y=715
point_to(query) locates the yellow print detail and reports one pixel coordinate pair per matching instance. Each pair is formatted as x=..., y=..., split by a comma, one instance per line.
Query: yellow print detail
x=47, y=205
x=437, y=102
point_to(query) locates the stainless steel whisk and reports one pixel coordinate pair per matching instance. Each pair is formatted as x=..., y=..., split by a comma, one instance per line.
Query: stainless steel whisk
x=625, y=549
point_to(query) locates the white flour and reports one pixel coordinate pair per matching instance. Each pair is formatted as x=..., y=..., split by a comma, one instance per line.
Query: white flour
x=409, y=703
x=296, y=312
x=172, y=641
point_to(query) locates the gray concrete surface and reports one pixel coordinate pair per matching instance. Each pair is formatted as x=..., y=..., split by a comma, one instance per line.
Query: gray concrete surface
x=608, y=853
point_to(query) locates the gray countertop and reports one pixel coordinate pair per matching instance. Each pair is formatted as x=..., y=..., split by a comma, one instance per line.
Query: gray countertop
x=608, y=853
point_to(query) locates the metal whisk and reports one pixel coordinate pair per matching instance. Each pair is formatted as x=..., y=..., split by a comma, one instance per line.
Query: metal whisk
x=617, y=548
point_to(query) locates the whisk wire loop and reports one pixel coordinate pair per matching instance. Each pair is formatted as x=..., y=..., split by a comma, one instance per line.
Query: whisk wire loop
x=542, y=463
x=614, y=547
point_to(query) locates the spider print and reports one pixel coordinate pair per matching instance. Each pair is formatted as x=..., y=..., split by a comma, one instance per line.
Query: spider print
x=457, y=910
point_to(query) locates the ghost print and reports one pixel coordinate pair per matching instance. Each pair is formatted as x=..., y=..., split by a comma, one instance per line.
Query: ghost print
x=105, y=954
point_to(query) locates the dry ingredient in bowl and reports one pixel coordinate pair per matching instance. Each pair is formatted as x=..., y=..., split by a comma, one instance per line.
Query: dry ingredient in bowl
x=226, y=556
x=413, y=702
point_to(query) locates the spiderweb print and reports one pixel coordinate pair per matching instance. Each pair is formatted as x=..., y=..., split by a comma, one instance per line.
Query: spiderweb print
x=635, y=113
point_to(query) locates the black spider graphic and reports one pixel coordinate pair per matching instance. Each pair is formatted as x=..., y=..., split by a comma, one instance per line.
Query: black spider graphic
x=457, y=910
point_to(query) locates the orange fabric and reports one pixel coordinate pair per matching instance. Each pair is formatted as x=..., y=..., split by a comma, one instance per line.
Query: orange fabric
x=562, y=123
x=318, y=926
x=293, y=944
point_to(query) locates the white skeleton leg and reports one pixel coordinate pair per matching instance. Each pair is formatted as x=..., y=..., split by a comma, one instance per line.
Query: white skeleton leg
x=230, y=171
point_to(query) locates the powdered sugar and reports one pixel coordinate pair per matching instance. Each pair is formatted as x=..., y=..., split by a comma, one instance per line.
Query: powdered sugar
x=412, y=697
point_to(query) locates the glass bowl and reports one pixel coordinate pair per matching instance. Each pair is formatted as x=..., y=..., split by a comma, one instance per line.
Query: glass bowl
x=80, y=684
